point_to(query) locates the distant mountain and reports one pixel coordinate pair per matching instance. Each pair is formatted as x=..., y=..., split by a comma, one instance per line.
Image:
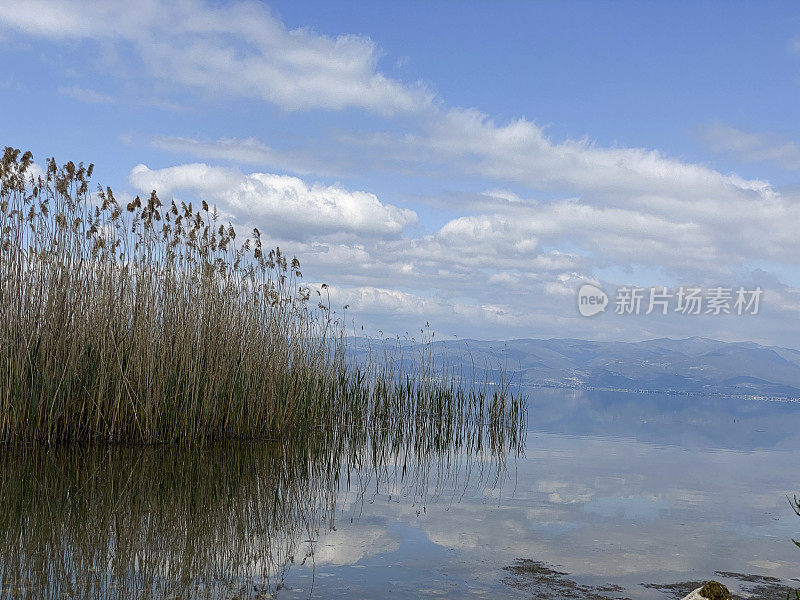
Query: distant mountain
x=693, y=365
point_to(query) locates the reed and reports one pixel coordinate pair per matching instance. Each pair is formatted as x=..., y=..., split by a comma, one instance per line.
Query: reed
x=140, y=322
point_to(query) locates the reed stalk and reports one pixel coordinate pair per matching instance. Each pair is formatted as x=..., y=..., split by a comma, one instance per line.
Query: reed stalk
x=140, y=322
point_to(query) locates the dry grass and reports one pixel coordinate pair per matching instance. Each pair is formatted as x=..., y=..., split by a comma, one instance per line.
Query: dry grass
x=148, y=323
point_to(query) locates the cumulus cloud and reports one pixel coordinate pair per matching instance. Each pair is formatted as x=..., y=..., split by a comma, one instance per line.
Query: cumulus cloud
x=371, y=300
x=510, y=268
x=280, y=205
x=718, y=238
x=230, y=50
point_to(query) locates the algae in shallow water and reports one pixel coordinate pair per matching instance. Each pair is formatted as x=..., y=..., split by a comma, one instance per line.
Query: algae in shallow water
x=714, y=590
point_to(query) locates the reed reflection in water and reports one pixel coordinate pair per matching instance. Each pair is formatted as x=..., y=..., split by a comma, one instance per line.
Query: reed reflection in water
x=224, y=521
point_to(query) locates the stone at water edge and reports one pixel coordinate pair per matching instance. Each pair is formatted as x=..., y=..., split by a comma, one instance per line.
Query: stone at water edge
x=713, y=590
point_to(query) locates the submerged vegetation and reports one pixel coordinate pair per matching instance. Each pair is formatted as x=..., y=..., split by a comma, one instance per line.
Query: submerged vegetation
x=141, y=322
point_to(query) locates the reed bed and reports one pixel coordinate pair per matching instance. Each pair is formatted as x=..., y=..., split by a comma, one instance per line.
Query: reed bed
x=141, y=322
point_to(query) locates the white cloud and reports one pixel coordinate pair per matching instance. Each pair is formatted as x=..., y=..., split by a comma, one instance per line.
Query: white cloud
x=372, y=300
x=241, y=50
x=510, y=269
x=746, y=146
x=469, y=142
x=506, y=263
x=230, y=50
x=716, y=238
x=247, y=151
x=84, y=95
x=279, y=205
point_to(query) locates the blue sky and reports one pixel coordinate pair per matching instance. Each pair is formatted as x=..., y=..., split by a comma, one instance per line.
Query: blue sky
x=468, y=164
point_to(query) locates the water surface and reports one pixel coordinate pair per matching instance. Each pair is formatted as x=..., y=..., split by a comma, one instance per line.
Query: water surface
x=613, y=490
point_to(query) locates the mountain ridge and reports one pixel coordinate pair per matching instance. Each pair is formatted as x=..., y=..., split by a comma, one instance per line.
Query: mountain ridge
x=694, y=365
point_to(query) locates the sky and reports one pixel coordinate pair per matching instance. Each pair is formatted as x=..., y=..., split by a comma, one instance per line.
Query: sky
x=468, y=165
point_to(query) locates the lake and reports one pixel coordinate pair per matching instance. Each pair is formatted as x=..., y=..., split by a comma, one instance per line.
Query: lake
x=613, y=495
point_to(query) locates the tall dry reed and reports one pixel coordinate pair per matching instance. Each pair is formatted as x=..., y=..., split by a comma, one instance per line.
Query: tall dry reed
x=142, y=322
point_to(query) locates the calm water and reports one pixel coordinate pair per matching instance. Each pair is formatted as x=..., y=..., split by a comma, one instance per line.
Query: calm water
x=612, y=489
